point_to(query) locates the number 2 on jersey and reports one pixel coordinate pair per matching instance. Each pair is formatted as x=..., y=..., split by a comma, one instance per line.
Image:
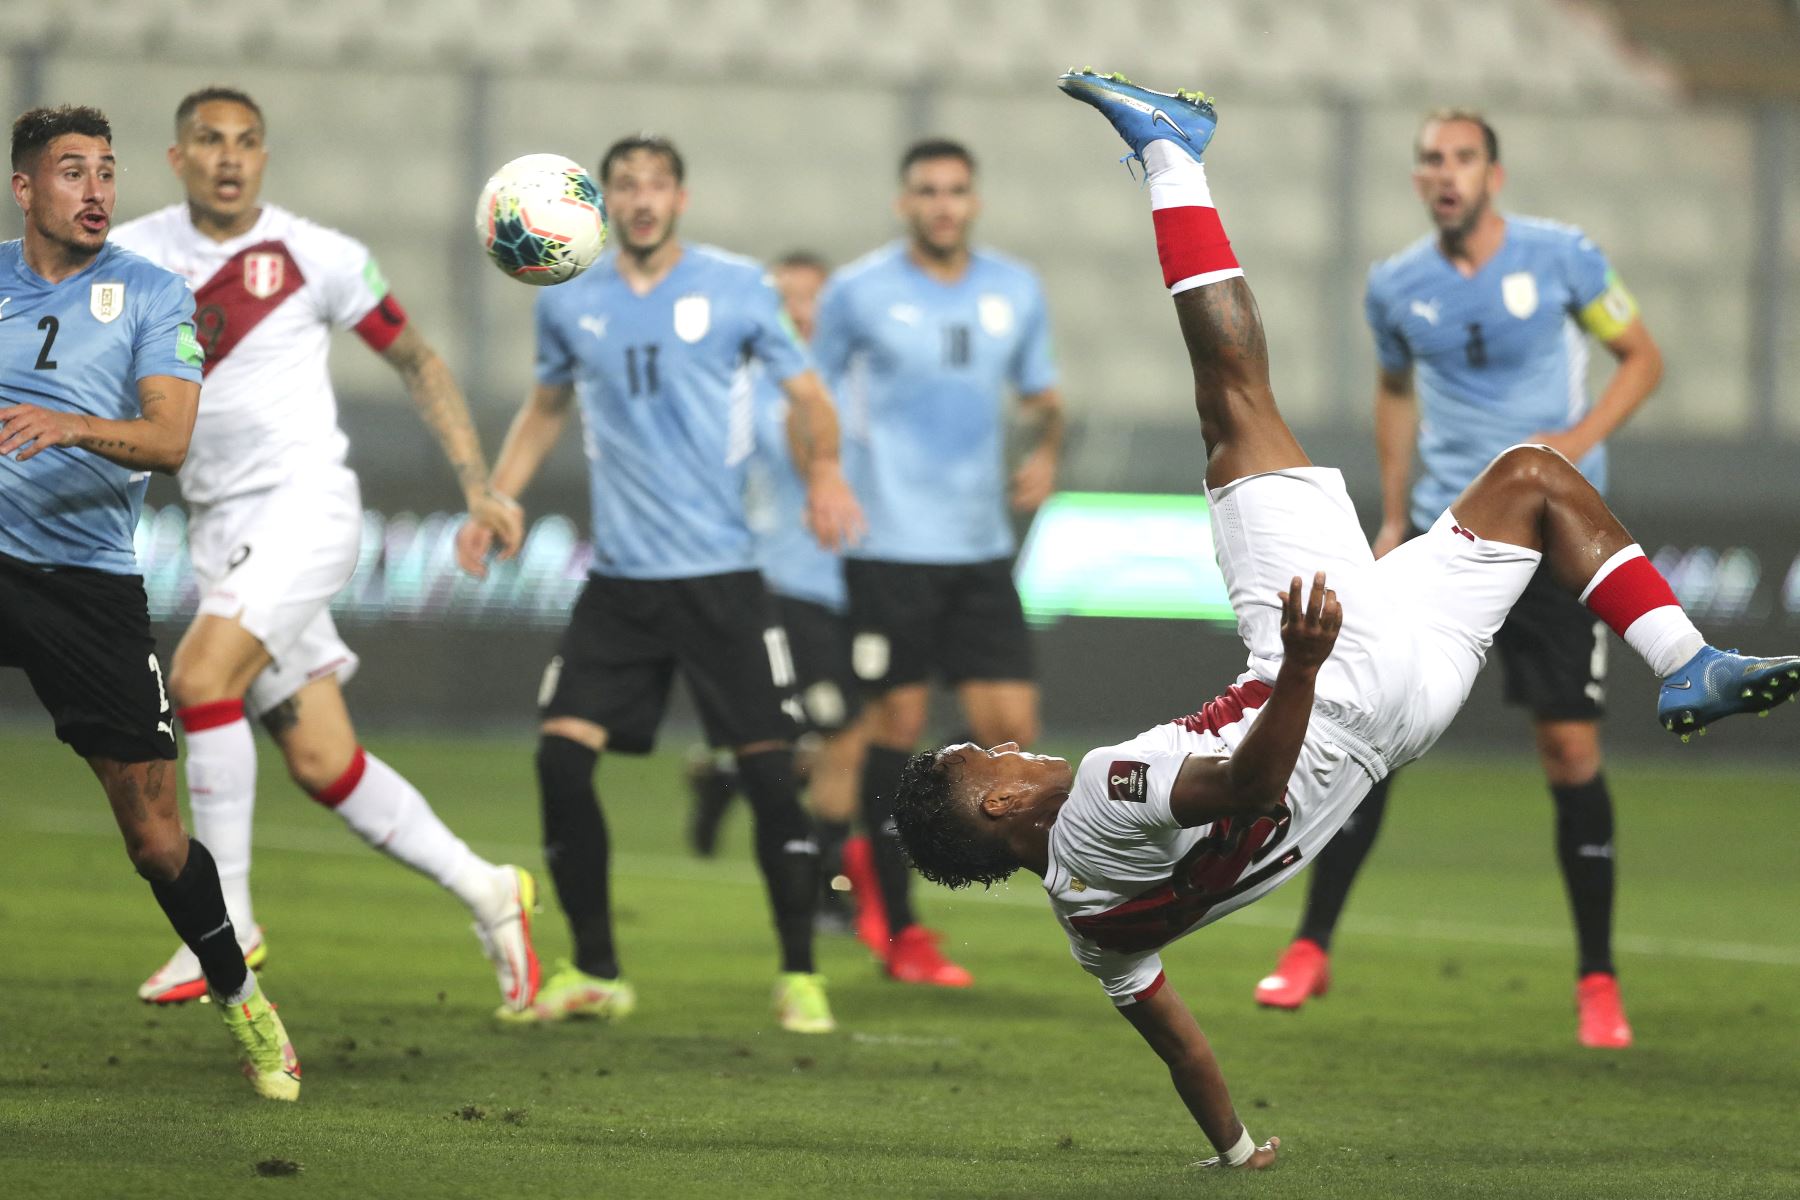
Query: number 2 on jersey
x=44, y=361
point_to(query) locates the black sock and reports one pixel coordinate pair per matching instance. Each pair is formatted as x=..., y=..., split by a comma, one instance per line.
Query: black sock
x=196, y=908
x=576, y=850
x=1335, y=869
x=1584, y=846
x=832, y=835
x=880, y=780
x=785, y=851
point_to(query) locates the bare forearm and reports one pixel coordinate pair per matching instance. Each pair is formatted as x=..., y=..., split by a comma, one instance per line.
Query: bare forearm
x=1396, y=430
x=1201, y=1086
x=1630, y=385
x=812, y=426
x=533, y=432
x=1048, y=410
x=446, y=413
x=1262, y=764
x=141, y=444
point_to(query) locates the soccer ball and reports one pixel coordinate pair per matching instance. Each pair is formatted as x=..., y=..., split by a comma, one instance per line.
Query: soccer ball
x=540, y=219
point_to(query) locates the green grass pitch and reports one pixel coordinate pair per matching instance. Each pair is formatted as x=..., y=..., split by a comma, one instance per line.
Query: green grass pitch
x=1443, y=1064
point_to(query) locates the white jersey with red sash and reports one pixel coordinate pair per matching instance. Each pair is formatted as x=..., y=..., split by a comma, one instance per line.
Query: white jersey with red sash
x=1125, y=879
x=266, y=303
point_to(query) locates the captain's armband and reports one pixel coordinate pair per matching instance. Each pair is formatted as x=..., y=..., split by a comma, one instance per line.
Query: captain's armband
x=1610, y=314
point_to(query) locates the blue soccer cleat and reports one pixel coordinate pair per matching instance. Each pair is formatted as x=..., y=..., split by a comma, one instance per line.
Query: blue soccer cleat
x=1721, y=683
x=1142, y=116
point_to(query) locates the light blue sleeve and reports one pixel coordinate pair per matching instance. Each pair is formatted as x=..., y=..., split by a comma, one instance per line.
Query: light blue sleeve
x=834, y=333
x=772, y=340
x=165, y=343
x=1391, y=350
x=555, y=361
x=1586, y=269
x=1033, y=367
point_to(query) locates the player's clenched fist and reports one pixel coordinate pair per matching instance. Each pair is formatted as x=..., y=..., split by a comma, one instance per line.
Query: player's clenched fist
x=1308, y=634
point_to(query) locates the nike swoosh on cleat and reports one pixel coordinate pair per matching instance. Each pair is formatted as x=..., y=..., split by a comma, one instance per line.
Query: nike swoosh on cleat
x=1160, y=115
x=1683, y=686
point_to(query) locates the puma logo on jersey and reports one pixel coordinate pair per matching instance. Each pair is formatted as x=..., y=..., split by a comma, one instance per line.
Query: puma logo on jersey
x=906, y=314
x=4, y=301
x=1128, y=781
x=593, y=324
x=1427, y=309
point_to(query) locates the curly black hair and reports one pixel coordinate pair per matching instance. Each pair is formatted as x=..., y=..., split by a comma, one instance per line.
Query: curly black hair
x=943, y=842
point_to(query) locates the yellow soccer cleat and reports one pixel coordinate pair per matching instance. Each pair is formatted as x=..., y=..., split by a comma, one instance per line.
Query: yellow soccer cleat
x=572, y=994
x=270, y=1063
x=800, y=1003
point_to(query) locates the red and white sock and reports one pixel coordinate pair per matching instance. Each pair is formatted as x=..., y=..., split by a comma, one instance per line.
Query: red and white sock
x=221, y=779
x=389, y=813
x=1633, y=598
x=1190, y=239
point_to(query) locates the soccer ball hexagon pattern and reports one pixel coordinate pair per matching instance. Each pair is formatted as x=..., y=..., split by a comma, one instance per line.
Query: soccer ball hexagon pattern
x=540, y=219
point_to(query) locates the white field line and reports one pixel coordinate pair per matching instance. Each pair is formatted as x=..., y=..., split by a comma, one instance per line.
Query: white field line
x=296, y=840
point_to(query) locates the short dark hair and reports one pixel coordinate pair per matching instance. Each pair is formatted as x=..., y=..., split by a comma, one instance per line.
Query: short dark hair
x=655, y=143
x=1473, y=116
x=927, y=149
x=207, y=95
x=938, y=834
x=802, y=260
x=37, y=128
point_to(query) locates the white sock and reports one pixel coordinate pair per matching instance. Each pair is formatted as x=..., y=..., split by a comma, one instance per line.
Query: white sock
x=389, y=813
x=221, y=779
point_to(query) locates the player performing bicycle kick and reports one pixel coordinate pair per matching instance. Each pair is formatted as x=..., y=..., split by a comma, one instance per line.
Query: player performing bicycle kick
x=1349, y=676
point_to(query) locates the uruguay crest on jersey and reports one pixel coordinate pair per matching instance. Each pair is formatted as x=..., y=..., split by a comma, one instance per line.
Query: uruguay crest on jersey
x=106, y=301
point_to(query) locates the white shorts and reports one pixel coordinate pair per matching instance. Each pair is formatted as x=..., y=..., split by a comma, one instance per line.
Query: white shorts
x=1417, y=624
x=273, y=561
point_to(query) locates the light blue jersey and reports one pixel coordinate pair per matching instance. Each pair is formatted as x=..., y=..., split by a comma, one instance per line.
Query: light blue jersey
x=1499, y=356
x=667, y=403
x=921, y=371
x=81, y=346
x=790, y=558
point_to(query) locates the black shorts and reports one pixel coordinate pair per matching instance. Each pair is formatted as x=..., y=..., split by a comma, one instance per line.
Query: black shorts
x=83, y=640
x=820, y=642
x=1552, y=653
x=626, y=638
x=959, y=622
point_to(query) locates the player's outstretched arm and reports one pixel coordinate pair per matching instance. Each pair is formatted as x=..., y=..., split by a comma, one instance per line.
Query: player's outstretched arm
x=832, y=512
x=1165, y=1023
x=446, y=413
x=1255, y=776
x=155, y=441
x=533, y=432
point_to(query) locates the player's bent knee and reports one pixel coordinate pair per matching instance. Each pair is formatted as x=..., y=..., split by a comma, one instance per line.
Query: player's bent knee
x=315, y=768
x=582, y=733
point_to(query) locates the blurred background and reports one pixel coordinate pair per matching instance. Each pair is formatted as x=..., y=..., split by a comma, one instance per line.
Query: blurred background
x=1668, y=130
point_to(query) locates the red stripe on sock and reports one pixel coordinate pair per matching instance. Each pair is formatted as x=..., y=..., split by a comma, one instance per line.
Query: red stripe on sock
x=339, y=790
x=198, y=717
x=1191, y=241
x=1634, y=588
